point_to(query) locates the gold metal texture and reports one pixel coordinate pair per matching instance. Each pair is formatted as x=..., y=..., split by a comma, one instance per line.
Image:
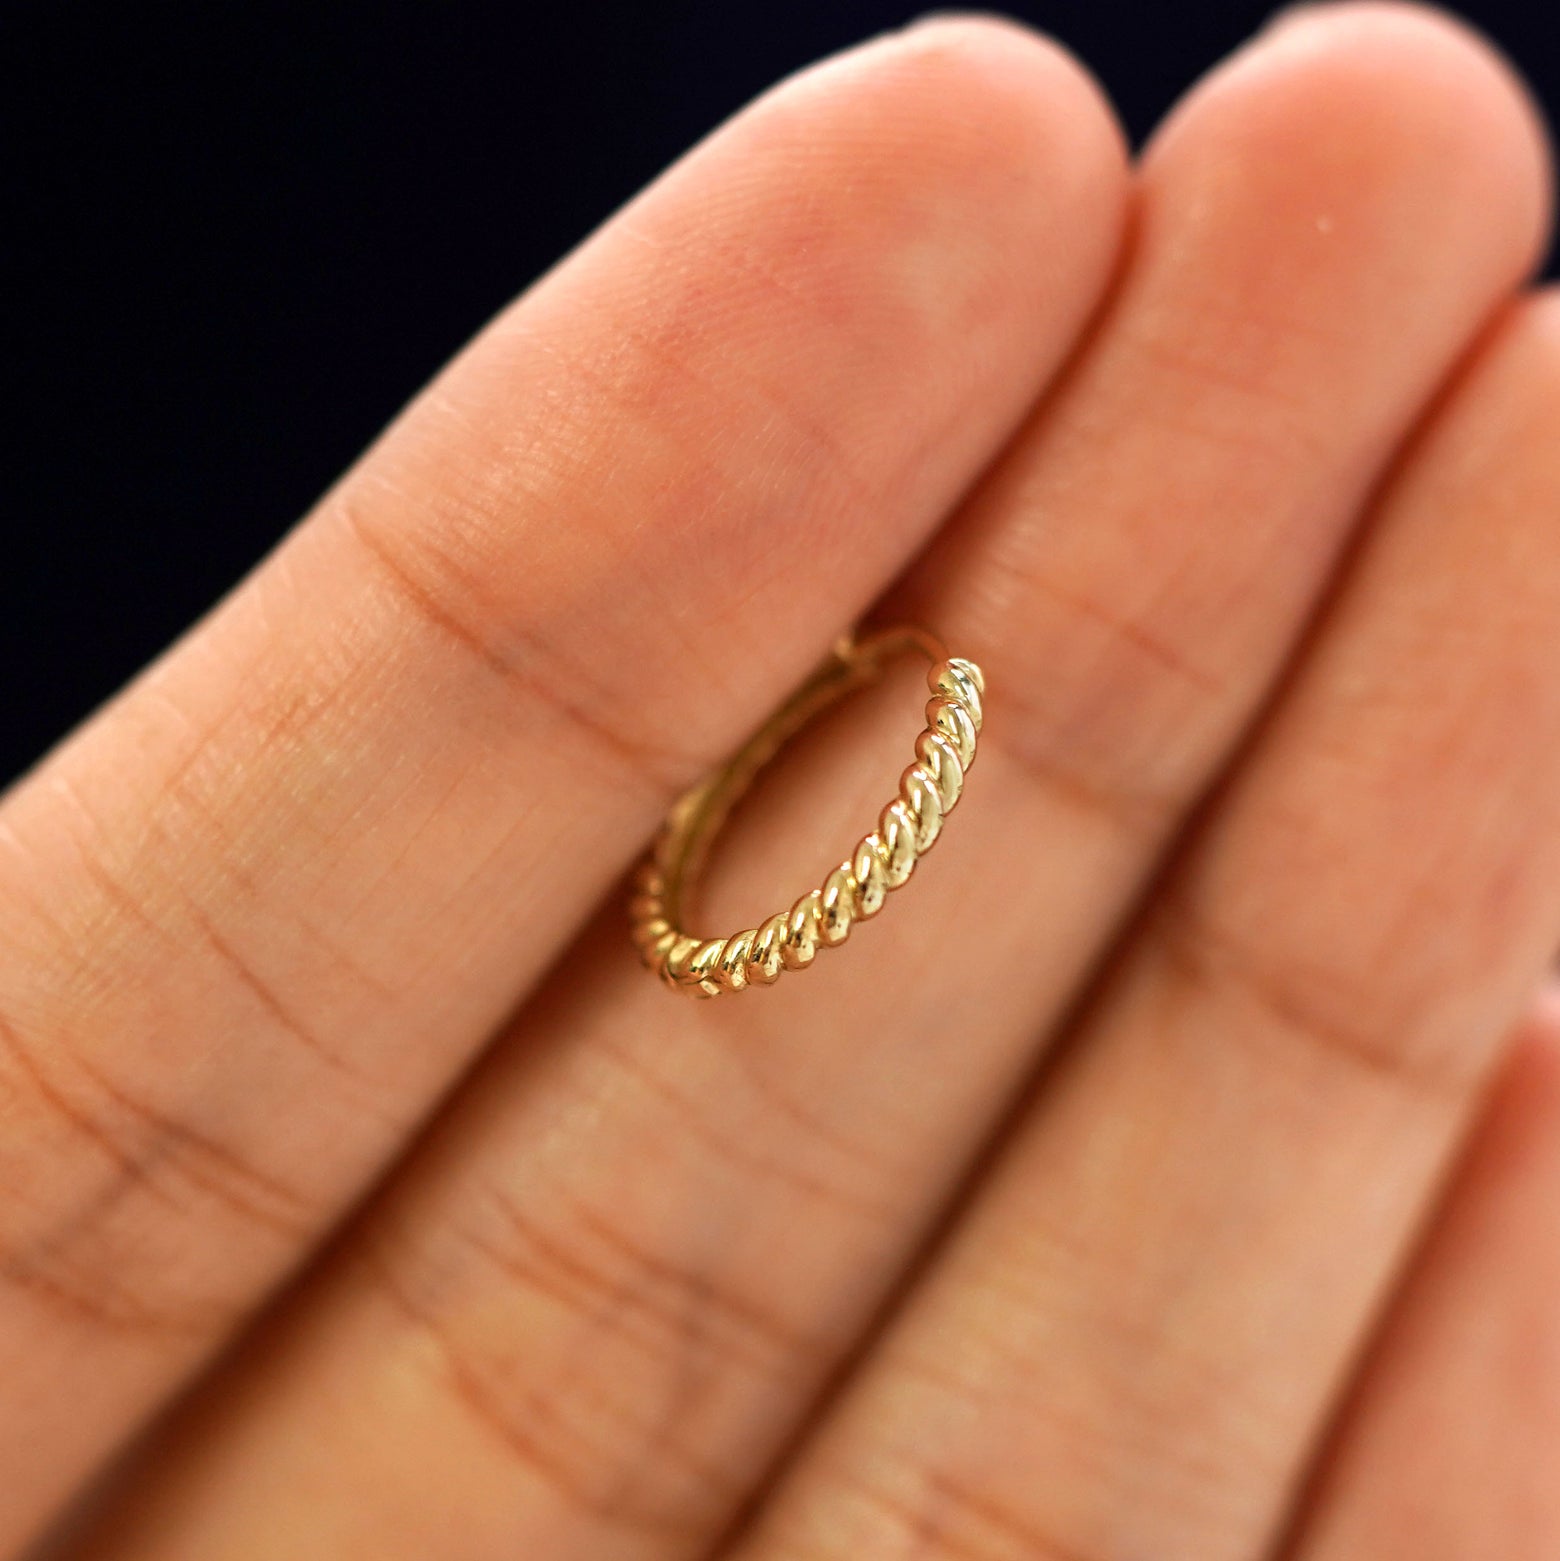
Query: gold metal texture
x=882, y=861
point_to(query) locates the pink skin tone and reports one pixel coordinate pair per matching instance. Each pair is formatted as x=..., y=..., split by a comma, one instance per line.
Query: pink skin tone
x=1171, y=1170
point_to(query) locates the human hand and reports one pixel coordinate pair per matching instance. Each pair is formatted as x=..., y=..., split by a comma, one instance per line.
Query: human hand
x=1095, y=1201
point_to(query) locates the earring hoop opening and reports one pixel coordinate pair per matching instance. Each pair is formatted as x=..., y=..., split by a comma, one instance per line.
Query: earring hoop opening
x=882, y=861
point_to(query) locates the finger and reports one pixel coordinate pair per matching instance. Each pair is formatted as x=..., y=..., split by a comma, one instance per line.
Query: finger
x=259, y=912
x=601, y=1298
x=1133, y=1337
x=1446, y=1447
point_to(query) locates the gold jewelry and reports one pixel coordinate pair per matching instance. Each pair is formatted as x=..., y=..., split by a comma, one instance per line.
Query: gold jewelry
x=855, y=890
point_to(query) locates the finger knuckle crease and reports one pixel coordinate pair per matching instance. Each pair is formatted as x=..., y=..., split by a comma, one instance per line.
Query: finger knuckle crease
x=635, y=1474
x=441, y=595
x=731, y=1151
x=1348, y=1016
x=934, y=1511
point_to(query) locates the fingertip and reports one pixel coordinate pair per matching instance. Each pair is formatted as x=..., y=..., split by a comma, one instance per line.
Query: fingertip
x=1048, y=77
x=1498, y=421
x=1445, y=49
x=953, y=193
x=1516, y=1131
x=1537, y=315
x=983, y=107
x=1540, y=1032
x=1392, y=94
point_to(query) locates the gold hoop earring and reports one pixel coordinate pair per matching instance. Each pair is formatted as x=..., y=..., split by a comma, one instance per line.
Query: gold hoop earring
x=856, y=889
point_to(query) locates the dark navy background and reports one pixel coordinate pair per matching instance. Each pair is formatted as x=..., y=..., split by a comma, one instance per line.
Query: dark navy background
x=237, y=236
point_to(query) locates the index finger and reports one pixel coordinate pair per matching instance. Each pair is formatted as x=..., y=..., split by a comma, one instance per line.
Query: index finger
x=257, y=914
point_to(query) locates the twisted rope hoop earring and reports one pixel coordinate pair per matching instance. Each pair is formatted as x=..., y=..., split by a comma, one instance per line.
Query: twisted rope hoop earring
x=856, y=889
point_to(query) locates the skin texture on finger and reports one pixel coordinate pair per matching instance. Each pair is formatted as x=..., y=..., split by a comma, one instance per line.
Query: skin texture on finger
x=264, y=908
x=599, y=1299
x=1446, y=1448
x=1140, y=1324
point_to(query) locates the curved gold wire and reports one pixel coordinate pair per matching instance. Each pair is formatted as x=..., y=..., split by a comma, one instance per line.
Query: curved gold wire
x=855, y=890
